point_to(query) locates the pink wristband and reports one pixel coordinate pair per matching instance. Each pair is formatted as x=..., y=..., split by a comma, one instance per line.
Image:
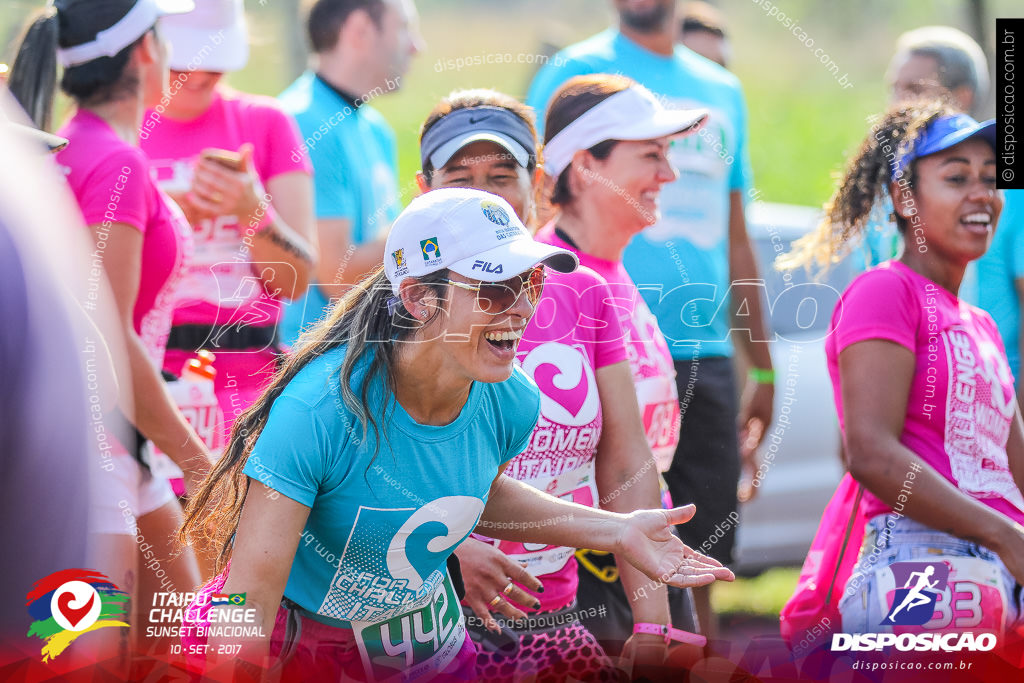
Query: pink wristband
x=670, y=633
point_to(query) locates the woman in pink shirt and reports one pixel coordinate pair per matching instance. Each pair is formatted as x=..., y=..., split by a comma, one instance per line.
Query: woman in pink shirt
x=115, y=64
x=922, y=386
x=589, y=444
x=606, y=166
x=252, y=224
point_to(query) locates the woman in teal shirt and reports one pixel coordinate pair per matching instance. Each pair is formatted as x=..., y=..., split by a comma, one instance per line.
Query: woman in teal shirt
x=379, y=448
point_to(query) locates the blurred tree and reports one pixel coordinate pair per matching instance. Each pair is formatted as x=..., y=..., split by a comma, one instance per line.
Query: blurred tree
x=293, y=21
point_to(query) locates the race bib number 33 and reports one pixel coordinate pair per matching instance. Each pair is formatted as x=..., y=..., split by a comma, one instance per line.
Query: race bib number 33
x=967, y=596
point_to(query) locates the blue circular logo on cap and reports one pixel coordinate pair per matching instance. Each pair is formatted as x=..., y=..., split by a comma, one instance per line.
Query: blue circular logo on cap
x=495, y=213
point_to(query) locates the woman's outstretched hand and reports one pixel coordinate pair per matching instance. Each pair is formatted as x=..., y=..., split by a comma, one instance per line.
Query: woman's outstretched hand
x=646, y=540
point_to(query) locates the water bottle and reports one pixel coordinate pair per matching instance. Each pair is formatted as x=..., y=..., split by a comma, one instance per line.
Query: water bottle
x=194, y=394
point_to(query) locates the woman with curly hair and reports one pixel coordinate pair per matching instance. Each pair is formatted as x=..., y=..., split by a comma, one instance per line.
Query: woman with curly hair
x=922, y=387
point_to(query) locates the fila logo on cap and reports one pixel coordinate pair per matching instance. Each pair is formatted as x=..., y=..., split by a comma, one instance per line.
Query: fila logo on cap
x=431, y=251
x=487, y=267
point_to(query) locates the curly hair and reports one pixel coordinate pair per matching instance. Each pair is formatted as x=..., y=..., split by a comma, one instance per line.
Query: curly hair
x=861, y=187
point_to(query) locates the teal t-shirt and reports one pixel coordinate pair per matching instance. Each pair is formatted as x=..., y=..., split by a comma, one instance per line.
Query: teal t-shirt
x=372, y=556
x=680, y=264
x=990, y=282
x=355, y=171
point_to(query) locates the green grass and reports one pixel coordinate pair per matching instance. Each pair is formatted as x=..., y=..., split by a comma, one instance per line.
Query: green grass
x=763, y=595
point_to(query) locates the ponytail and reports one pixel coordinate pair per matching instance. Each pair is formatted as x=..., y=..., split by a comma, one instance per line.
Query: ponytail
x=365, y=322
x=33, y=79
x=863, y=185
x=64, y=24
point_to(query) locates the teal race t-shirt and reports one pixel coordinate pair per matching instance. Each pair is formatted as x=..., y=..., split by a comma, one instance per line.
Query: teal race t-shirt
x=680, y=264
x=372, y=556
x=355, y=172
x=994, y=277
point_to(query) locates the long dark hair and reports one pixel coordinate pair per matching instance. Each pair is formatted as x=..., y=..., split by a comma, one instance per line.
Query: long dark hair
x=65, y=24
x=362, y=320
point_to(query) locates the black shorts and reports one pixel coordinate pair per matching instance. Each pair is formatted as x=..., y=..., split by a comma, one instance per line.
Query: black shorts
x=706, y=468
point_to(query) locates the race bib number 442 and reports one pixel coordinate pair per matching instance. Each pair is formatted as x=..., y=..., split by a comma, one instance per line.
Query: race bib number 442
x=414, y=645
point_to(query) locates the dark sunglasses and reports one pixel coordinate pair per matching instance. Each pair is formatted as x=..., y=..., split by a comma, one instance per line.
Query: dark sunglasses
x=498, y=297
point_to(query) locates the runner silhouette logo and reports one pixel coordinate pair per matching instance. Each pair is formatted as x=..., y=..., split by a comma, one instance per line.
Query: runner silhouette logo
x=914, y=603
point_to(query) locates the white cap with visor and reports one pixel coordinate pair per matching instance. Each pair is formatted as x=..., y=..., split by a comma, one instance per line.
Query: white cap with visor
x=126, y=31
x=630, y=114
x=471, y=232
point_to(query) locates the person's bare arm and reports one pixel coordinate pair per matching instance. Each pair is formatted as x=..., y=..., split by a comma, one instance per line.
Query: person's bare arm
x=343, y=263
x=288, y=240
x=518, y=512
x=261, y=560
x=876, y=379
x=291, y=237
x=1015, y=450
x=627, y=480
x=150, y=405
x=747, y=314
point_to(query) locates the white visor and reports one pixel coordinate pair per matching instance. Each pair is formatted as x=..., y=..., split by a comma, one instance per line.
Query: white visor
x=212, y=38
x=130, y=28
x=632, y=114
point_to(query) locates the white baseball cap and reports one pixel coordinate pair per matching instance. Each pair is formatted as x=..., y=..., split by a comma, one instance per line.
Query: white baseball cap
x=630, y=114
x=471, y=232
x=214, y=37
x=132, y=26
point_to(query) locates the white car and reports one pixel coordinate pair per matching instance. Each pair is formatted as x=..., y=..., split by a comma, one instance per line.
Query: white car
x=800, y=461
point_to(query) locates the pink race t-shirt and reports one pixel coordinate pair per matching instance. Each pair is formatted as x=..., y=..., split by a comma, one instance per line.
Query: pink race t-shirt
x=574, y=332
x=222, y=286
x=111, y=182
x=961, y=401
x=654, y=373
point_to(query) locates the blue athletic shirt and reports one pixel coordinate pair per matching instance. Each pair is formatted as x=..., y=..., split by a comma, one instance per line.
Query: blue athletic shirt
x=355, y=171
x=990, y=282
x=680, y=264
x=380, y=529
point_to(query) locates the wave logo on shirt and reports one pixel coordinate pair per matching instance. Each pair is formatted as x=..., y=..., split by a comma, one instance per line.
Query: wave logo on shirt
x=68, y=603
x=568, y=388
x=423, y=542
x=914, y=603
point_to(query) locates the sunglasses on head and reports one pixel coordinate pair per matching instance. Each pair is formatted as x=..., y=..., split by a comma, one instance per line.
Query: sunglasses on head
x=498, y=297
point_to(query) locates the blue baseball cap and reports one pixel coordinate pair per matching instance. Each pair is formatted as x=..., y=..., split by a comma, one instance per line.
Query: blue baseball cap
x=463, y=126
x=943, y=133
